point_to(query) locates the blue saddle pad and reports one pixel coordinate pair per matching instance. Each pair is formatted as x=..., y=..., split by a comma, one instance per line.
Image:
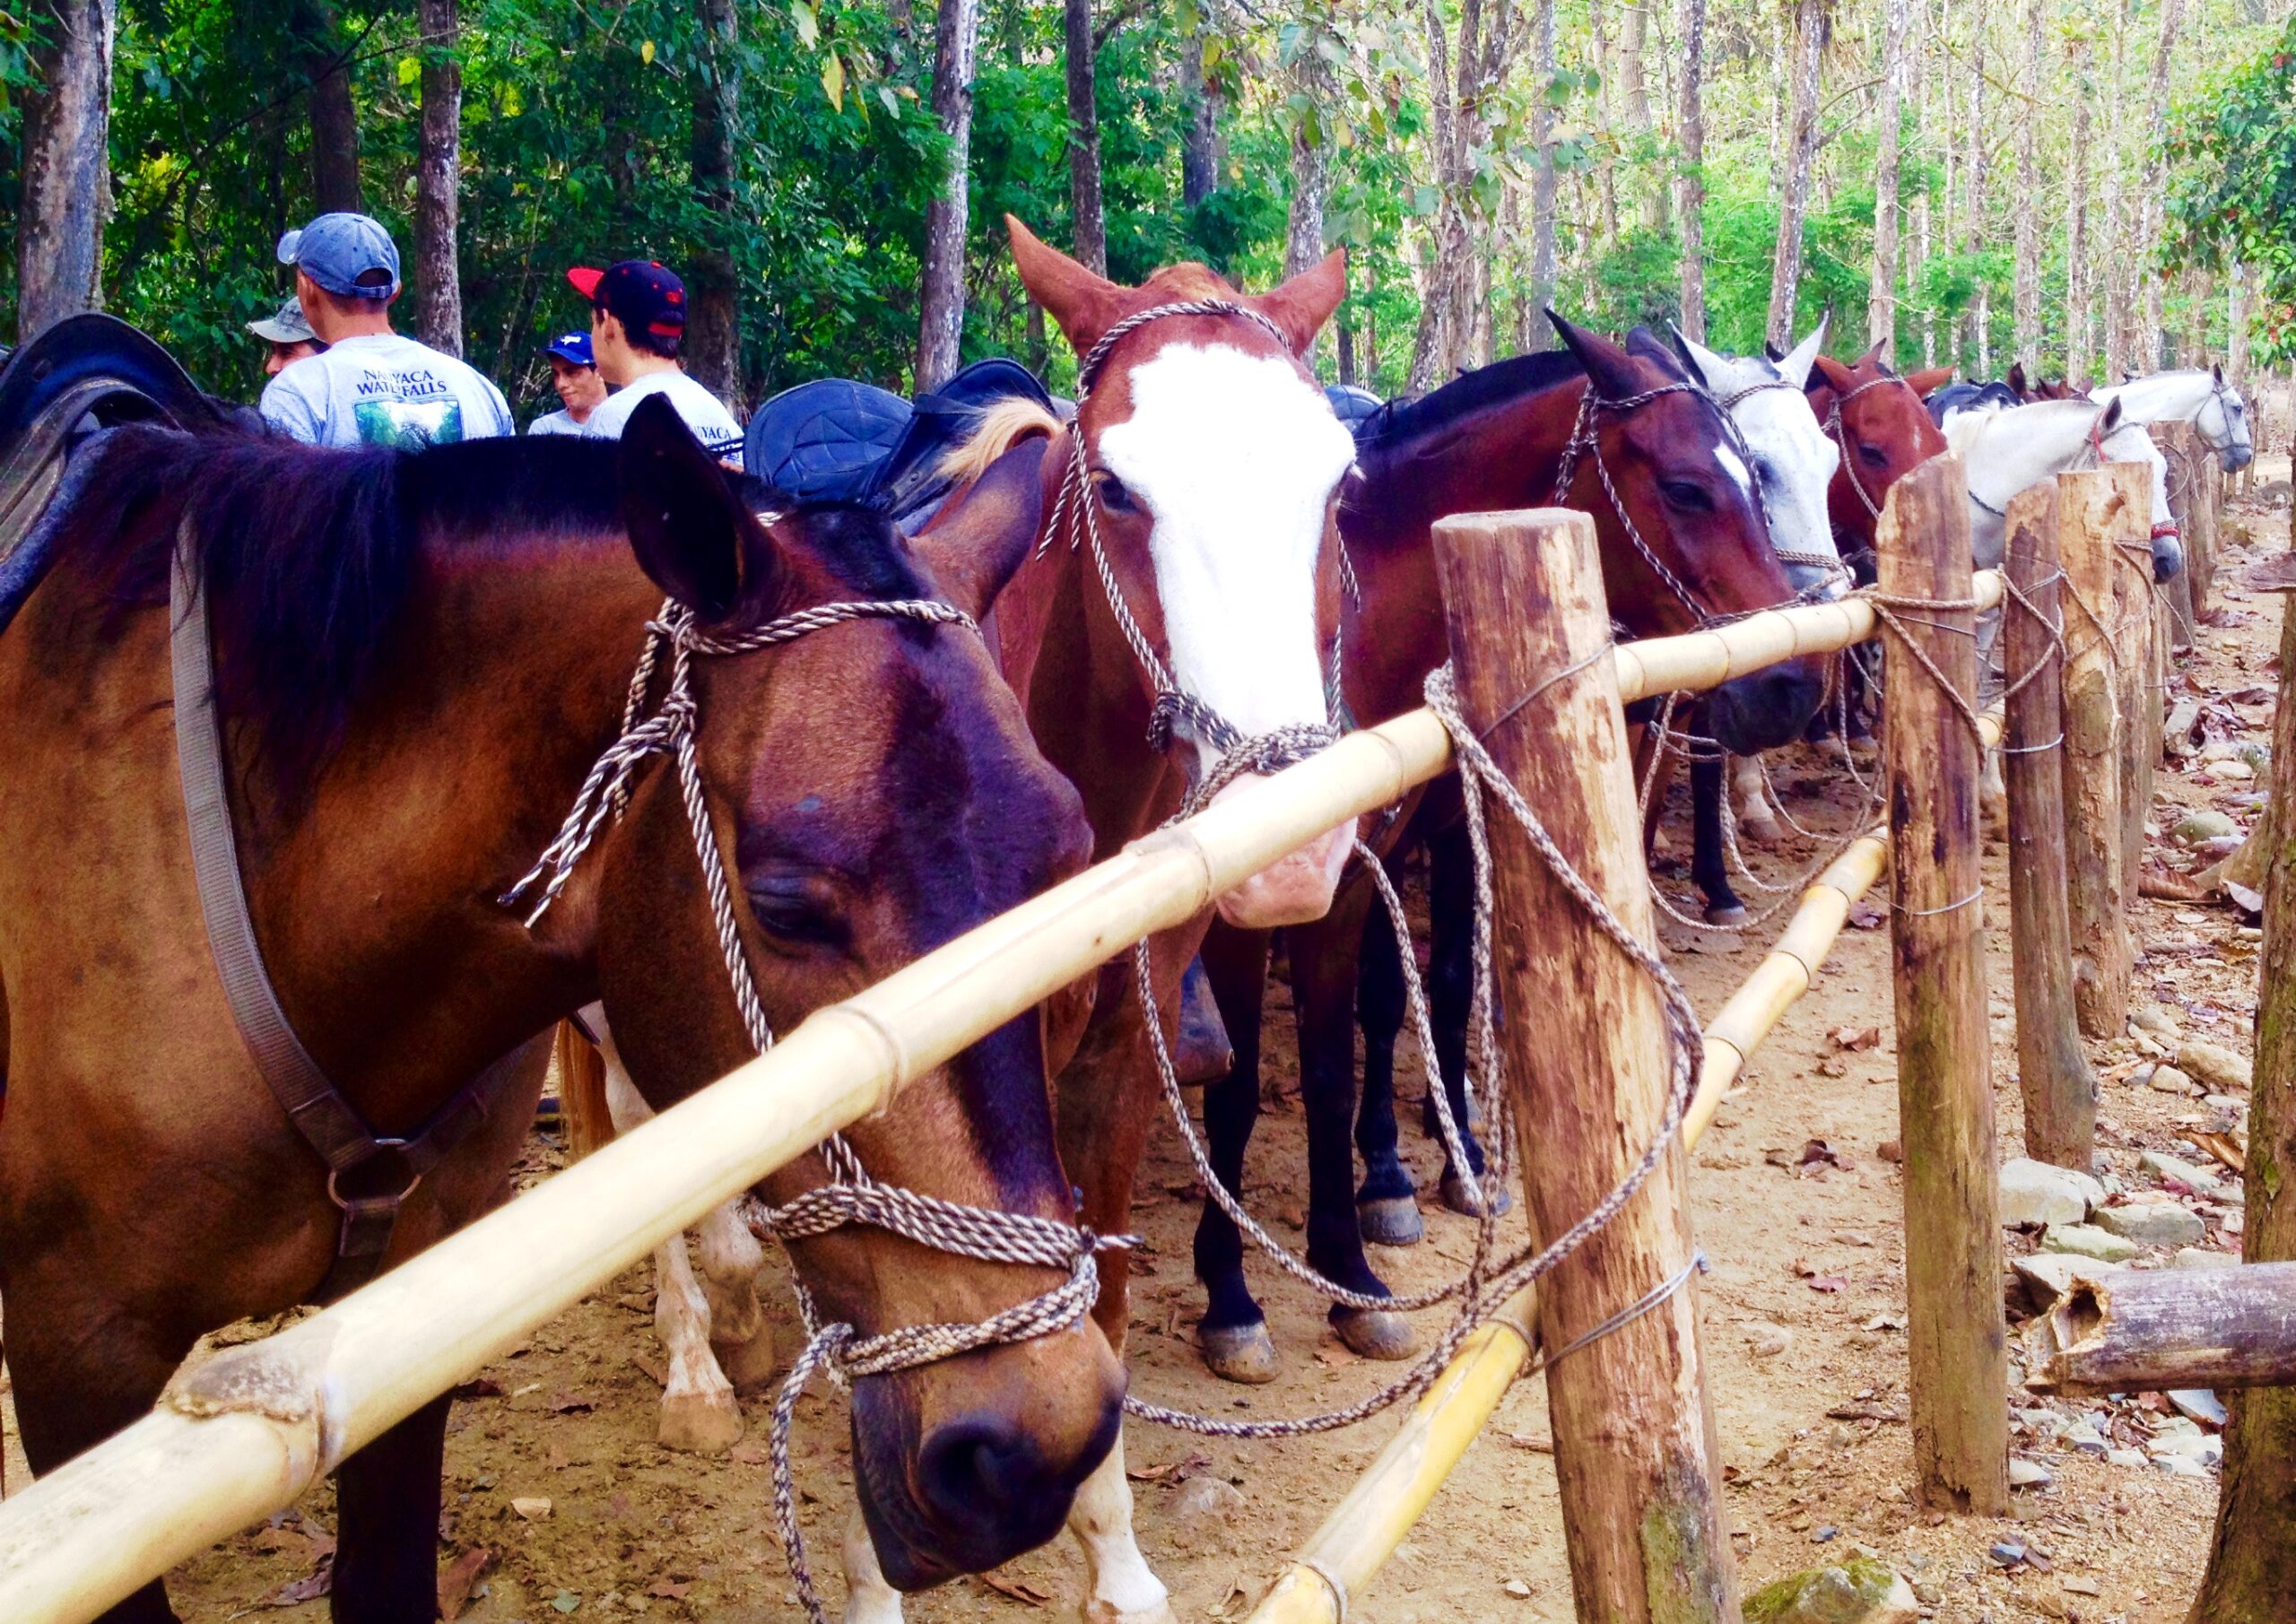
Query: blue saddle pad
x=1353, y=407
x=912, y=484
x=824, y=441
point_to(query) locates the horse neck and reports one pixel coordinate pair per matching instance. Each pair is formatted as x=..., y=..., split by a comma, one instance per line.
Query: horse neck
x=2165, y=397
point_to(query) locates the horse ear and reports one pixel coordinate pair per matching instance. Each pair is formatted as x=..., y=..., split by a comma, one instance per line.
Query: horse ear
x=1929, y=380
x=2111, y=420
x=1875, y=357
x=1796, y=365
x=1084, y=304
x=2217, y=371
x=2017, y=380
x=1832, y=374
x=1705, y=365
x=1301, y=306
x=693, y=535
x=974, y=547
x=1608, y=367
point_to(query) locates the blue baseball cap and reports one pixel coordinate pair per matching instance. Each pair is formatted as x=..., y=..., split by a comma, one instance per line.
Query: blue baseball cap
x=572, y=347
x=348, y=255
x=645, y=295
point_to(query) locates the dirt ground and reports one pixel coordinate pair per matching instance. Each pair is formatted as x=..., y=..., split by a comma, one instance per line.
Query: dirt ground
x=1803, y=1316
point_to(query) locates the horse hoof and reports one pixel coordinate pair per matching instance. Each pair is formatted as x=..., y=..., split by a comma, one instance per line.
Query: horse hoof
x=706, y=1422
x=1393, y=1221
x=1727, y=918
x=1764, y=833
x=1240, y=1354
x=751, y=1365
x=1375, y=1333
x=1098, y=1611
x=1455, y=1197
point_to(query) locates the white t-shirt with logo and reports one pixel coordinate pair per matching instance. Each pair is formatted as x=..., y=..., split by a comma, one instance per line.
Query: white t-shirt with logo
x=385, y=389
x=711, y=423
x=561, y=421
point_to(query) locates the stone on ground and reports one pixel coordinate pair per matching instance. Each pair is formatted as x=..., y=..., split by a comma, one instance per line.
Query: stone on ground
x=2087, y=1240
x=2214, y=1065
x=2153, y=1223
x=2051, y=1273
x=2204, y=826
x=2201, y=1181
x=2034, y=1193
x=1857, y=1592
x=2169, y=1079
x=2201, y=1258
x=2028, y=1474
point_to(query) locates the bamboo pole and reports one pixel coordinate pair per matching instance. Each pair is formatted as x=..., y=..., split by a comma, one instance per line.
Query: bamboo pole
x=2053, y=1074
x=2086, y=524
x=2139, y=691
x=1956, y=1340
x=1634, y=1440
x=253, y=1428
x=2157, y=1330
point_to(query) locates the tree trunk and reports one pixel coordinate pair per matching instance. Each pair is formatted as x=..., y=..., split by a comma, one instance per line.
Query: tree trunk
x=2236, y=333
x=1091, y=246
x=2162, y=1330
x=2252, y=1559
x=1975, y=338
x=2115, y=244
x=1689, y=201
x=1880, y=302
x=2080, y=282
x=1635, y=87
x=1311, y=75
x=1599, y=48
x=713, y=345
x=66, y=178
x=2028, y=195
x=334, y=120
x=1200, y=135
x=438, y=180
x=1785, y=262
x=1545, y=272
x=941, y=323
x=2155, y=183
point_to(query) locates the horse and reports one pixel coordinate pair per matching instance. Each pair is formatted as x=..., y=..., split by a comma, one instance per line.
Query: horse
x=2195, y=395
x=1878, y=419
x=1957, y=400
x=1684, y=541
x=417, y=659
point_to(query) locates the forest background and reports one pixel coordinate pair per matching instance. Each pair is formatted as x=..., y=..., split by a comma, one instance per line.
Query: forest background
x=2086, y=186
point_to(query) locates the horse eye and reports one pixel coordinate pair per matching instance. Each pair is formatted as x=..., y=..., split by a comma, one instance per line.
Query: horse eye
x=1689, y=497
x=1114, y=497
x=1873, y=456
x=789, y=911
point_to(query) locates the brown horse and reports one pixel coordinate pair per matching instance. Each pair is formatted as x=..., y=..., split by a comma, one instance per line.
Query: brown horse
x=418, y=658
x=1684, y=539
x=1883, y=429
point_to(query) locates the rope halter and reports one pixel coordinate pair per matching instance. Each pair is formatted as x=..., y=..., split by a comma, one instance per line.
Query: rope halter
x=1835, y=427
x=851, y=1198
x=1836, y=572
x=1176, y=713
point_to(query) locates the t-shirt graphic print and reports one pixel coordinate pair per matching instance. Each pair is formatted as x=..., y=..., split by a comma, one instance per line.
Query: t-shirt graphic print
x=382, y=389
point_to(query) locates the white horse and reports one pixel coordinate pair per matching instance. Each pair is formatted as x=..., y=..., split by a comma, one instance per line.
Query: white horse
x=2192, y=395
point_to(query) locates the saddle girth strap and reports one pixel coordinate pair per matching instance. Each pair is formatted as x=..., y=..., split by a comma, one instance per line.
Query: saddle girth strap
x=379, y=1172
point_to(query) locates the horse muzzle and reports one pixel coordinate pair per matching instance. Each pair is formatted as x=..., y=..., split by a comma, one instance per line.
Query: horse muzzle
x=2168, y=553
x=2236, y=456
x=1766, y=708
x=1293, y=889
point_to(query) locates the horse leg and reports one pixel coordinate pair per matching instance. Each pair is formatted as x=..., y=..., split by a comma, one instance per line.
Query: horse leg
x=1758, y=819
x=387, y=1510
x=869, y=1598
x=1707, y=868
x=1118, y=1587
x=1450, y=995
x=698, y=1412
x=1386, y=1209
x=1234, y=1333
x=739, y=1331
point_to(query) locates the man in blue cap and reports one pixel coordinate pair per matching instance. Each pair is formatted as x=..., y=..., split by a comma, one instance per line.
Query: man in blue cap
x=575, y=376
x=371, y=386
x=637, y=323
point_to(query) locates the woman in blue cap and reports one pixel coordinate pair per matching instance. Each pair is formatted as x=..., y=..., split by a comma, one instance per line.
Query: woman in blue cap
x=575, y=376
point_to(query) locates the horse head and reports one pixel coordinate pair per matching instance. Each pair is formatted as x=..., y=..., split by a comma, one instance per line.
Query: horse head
x=1878, y=421
x=1201, y=473
x=874, y=792
x=2223, y=423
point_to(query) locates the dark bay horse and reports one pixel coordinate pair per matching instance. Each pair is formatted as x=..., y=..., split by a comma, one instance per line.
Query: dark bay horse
x=1686, y=540
x=418, y=658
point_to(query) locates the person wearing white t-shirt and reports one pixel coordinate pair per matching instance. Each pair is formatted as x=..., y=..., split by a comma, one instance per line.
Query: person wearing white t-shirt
x=371, y=387
x=575, y=376
x=637, y=323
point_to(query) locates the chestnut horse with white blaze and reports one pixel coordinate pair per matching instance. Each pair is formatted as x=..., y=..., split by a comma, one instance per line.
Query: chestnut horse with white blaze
x=417, y=660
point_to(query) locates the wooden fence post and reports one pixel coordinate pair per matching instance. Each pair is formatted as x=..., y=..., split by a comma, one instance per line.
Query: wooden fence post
x=2200, y=529
x=1957, y=1342
x=2060, y=1091
x=1634, y=1439
x=2181, y=448
x=2139, y=690
x=2101, y=962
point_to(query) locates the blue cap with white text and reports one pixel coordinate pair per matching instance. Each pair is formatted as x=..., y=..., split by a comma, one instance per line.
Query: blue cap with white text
x=572, y=347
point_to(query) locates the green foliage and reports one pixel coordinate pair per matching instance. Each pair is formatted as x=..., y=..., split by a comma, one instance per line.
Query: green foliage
x=2233, y=158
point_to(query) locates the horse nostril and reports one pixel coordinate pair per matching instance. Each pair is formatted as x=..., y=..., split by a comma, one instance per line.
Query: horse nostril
x=980, y=1469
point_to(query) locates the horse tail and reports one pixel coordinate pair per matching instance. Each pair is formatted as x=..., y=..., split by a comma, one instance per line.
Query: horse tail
x=581, y=1093
x=1001, y=426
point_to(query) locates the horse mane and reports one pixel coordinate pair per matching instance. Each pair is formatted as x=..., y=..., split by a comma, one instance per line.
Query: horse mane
x=1002, y=425
x=1498, y=383
x=309, y=555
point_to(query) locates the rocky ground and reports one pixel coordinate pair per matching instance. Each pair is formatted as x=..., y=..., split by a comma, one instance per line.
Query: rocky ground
x=561, y=1504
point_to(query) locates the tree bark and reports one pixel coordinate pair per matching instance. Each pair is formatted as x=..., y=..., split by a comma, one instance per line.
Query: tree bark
x=2252, y=1558
x=2155, y=184
x=1544, y=272
x=66, y=178
x=2159, y=1330
x=438, y=180
x=1690, y=183
x=713, y=347
x=1882, y=302
x=2028, y=195
x=1635, y=87
x=2087, y=523
x=2080, y=282
x=1786, y=260
x=1200, y=135
x=1976, y=337
x=2116, y=241
x=1091, y=246
x=940, y=321
x=335, y=120
x=1311, y=76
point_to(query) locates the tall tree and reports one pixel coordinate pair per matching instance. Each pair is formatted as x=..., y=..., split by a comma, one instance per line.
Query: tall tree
x=438, y=180
x=2148, y=243
x=1483, y=53
x=1977, y=339
x=1634, y=83
x=1880, y=302
x=2080, y=277
x=1690, y=179
x=1544, y=271
x=1091, y=231
x=1312, y=84
x=326, y=56
x=67, y=179
x=2029, y=196
x=1200, y=105
x=2115, y=244
x=1802, y=141
x=942, y=322
x=713, y=343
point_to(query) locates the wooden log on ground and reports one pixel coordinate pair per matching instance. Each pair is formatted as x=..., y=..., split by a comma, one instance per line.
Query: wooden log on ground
x=2138, y=689
x=2156, y=1330
x=2181, y=448
x=2090, y=762
x=1636, y=1454
x=1957, y=1342
x=2252, y=1558
x=2053, y=1072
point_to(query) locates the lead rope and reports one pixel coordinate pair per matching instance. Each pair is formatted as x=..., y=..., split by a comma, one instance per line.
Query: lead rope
x=851, y=1198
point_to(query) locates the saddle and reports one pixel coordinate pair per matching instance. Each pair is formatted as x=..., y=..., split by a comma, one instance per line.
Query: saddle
x=837, y=440
x=1353, y=407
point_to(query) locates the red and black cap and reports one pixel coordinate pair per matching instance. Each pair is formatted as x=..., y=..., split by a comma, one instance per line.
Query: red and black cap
x=644, y=294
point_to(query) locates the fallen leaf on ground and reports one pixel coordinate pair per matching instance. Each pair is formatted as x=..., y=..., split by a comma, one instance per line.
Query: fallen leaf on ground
x=310, y=1588
x=1855, y=1036
x=1019, y=1590
x=667, y=1590
x=1537, y=1446
x=572, y=1403
x=454, y=1585
x=1828, y=1283
x=1170, y=1471
x=479, y=1386
x=654, y=1368
x=533, y=1507
x=1864, y=917
x=1832, y=1067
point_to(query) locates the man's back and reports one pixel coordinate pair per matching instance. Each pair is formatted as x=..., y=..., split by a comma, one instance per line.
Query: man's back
x=703, y=412
x=385, y=389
